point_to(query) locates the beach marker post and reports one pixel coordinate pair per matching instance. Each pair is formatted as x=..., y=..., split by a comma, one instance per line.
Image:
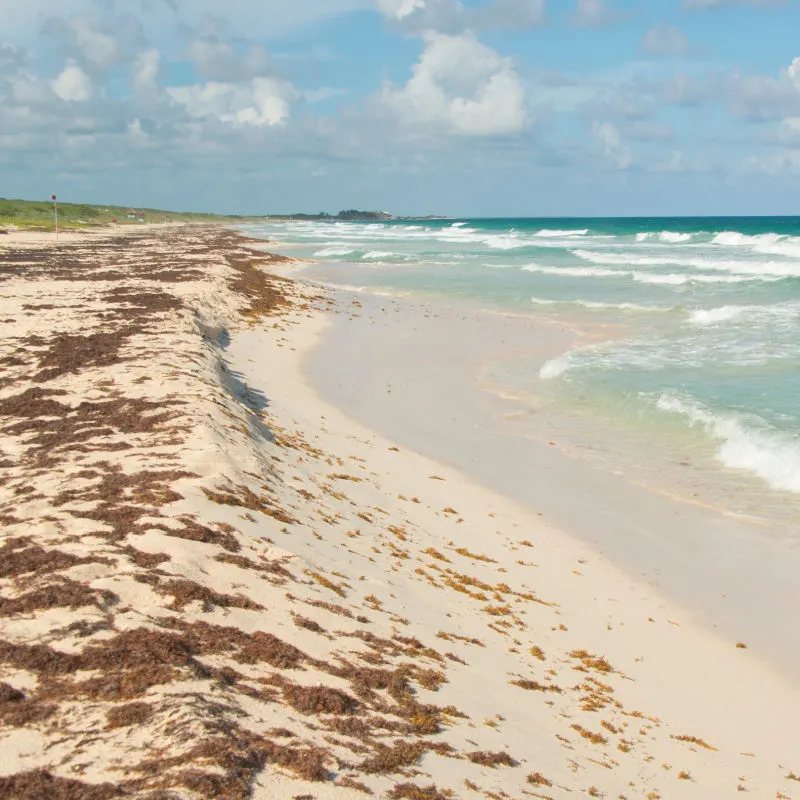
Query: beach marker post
x=55, y=212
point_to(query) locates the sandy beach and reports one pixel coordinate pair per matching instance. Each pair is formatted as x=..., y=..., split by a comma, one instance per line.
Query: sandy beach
x=416, y=373
x=243, y=555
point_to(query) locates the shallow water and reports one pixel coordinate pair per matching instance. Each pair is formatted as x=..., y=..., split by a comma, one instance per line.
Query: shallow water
x=693, y=389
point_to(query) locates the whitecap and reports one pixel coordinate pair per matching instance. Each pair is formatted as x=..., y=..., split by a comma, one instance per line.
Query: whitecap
x=329, y=252
x=546, y=233
x=372, y=254
x=555, y=367
x=596, y=304
x=746, y=443
x=674, y=237
x=577, y=272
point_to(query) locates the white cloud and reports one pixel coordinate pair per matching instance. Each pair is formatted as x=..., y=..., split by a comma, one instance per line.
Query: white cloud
x=459, y=86
x=683, y=89
x=793, y=71
x=665, y=40
x=322, y=94
x=219, y=60
x=789, y=132
x=96, y=46
x=72, y=84
x=788, y=162
x=137, y=133
x=764, y=97
x=146, y=69
x=592, y=14
x=261, y=102
x=614, y=147
x=452, y=16
x=399, y=9
x=511, y=14
x=255, y=18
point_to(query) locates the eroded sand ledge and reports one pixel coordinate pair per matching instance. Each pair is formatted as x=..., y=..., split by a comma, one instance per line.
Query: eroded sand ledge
x=213, y=584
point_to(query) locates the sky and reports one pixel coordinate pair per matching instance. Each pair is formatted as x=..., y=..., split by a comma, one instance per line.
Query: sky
x=452, y=107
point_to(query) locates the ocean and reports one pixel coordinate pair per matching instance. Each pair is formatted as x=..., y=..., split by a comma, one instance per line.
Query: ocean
x=687, y=378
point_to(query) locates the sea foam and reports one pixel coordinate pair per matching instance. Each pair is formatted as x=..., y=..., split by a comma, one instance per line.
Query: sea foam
x=745, y=443
x=546, y=233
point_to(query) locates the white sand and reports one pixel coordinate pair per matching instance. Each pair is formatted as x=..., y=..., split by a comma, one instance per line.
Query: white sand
x=458, y=583
x=415, y=372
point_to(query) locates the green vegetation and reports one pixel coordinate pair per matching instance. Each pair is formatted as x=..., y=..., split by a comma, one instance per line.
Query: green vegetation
x=350, y=215
x=39, y=215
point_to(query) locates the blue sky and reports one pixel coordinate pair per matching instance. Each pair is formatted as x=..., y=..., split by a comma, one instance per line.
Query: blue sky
x=462, y=107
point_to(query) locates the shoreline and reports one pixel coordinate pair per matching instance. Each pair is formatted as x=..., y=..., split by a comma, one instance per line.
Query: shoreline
x=251, y=594
x=729, y=570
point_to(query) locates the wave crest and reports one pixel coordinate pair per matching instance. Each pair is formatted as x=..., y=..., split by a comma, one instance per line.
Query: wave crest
x=746, y=443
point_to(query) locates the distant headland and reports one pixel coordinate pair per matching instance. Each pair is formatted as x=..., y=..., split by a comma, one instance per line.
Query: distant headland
x=349, y=215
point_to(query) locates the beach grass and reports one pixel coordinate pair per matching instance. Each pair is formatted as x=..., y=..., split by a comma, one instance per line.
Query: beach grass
x=38, y=215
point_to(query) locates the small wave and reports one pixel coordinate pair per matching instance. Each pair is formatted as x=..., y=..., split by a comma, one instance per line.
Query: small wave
x=664, y=279
x=766, y=243
x=577, y=272
x=329, y=252
x=789, y=247
x=673, y=237
x=681, y=279
x=596, y=304
x=714, y=316
x=546, y=233
x=503, y=242
x=736, y=239
x=626, y=259
x=746, y=443
x=371, y=290
x=766, y=269
x=555, y=367
x=372, y=254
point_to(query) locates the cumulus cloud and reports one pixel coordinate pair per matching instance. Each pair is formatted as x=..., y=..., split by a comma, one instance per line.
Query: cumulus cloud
x=72, y=84
x=592, y=14
x=22, y=20
x=459, y=86
x=261, y=102
x=146, y=69
x=764, y=97
x=783, y=164
x=399, y=9
x=511, y=14
x=97, y=46
x=684, y=89
x=793, y=72
x=452, y=16
x=665, y=40
x=789, y=132
x=614, y=147
x=219, y=60
x=96, y=42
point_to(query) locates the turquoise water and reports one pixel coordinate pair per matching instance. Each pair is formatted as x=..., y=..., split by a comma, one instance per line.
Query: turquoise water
x=705, y=314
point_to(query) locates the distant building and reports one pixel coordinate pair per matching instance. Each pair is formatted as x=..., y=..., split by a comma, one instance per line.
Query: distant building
x=137, y=215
